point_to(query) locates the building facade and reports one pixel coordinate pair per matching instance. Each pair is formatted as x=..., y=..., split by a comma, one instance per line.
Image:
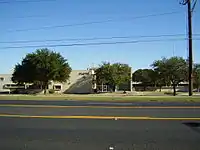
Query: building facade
x=80, y=81
x=5, y=81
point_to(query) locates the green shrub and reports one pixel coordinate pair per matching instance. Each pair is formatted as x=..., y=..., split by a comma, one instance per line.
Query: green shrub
x=51, y=91
x=169, y=93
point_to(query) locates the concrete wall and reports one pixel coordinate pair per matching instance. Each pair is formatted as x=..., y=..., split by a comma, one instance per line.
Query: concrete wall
x=80, y=82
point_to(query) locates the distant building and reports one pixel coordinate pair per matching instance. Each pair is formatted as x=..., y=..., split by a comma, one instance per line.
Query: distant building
x=80, y=81
x=4, y=78
x=6, y=84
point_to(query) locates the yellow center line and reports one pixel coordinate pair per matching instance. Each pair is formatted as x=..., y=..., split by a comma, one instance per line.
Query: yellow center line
x=96, y=117
x=113, y=107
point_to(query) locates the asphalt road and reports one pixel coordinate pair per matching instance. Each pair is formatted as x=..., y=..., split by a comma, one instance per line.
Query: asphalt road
x=39, y=125
x=96, y=103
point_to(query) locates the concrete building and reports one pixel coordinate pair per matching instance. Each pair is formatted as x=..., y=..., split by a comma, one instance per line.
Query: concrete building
x=5, y=80
x=80, y=81
x=6, y=84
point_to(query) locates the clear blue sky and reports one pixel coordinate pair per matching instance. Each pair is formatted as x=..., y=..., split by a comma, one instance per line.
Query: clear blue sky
x=59, y=12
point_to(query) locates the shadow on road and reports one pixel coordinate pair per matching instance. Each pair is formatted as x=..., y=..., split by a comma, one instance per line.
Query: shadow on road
x=193, y=125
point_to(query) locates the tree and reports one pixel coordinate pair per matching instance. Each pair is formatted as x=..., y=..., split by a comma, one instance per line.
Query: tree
x=196, y=74
x=159, y=80
x=173, y=70
x=113, y=74
x=41, y=67
x=145, y=76
x=103, y=74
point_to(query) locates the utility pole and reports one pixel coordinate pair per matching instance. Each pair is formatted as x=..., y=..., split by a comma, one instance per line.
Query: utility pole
x=190, y=48
x=190, y=58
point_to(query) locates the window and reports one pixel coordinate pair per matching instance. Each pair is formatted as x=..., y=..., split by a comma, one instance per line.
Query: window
x=1, y=78
x=13, y=86
x=57, y=87
x=83, y=73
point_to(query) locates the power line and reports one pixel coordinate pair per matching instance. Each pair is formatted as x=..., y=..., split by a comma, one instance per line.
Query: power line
x=97, y=43
x=24, y=1
x=22, y=17
x=96, y=38
x=94, y=22
x=194, y=4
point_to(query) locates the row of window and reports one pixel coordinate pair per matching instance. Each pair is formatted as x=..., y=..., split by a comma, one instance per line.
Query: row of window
x=15, y=86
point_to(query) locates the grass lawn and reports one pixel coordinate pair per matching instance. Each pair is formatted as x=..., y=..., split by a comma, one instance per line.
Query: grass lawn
x=100, y=98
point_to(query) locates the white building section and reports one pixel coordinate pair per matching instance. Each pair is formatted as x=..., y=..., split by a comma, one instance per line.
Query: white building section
x=80, y=81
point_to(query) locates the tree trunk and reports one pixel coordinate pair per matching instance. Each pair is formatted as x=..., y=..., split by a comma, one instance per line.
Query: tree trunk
x=116, y=88
x=45, y=90
x=174, y=89
x=45, y=87
x=112, y=88
x=144, y=88
x=160, y=88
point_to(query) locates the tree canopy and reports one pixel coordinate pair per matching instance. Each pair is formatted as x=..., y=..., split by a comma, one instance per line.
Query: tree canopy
x=196, y=75
x=113, y=74
x=173, y=70
x=160, y=80
x=145, y=76
x=41, y=67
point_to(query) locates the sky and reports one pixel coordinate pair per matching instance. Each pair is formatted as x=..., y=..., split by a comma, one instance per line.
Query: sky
x=24, y=21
